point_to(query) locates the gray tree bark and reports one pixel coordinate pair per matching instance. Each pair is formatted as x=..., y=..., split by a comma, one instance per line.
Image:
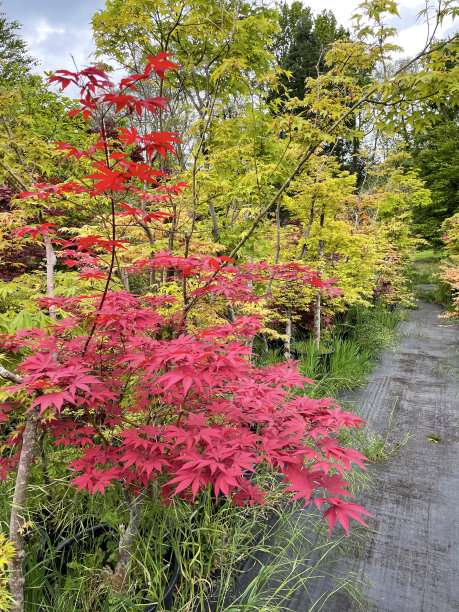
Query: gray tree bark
x=288, y=336
x=127, y=541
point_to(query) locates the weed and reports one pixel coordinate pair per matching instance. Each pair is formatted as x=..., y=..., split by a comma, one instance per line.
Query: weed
x=424, y=266
x=429, y=255
x=439, y=294
x=424, y=269
x=375, y=446
x=447, y=368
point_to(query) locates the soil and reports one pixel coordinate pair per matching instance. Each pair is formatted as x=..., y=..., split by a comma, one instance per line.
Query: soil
x=411, y=555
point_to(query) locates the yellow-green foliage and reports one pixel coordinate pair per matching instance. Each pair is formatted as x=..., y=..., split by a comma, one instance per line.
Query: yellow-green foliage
x=451, y=235
x=330, y=214
x=18, y=298
x=128, y=29
x=32, y=118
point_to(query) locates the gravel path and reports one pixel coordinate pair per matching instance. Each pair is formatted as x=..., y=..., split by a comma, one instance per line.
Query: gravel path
x=412, y=558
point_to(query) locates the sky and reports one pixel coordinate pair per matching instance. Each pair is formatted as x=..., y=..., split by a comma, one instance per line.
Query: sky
x=59, y=31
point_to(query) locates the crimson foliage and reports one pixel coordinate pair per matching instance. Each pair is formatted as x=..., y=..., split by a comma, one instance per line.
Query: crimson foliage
x=122, y=380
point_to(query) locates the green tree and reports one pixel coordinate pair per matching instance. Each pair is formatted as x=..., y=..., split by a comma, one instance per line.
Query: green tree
x=436, y=155
x=301, y=44
x=15, y=63
x=220, y=46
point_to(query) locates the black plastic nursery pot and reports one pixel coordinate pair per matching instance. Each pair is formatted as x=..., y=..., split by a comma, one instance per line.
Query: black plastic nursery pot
x=345, y=330
x=98, y=537
x=276, y=344
x=324, y=355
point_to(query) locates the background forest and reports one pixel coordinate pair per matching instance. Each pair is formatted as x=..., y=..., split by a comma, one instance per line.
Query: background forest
x=252, y=191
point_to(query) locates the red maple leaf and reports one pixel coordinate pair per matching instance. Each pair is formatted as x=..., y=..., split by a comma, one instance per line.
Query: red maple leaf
x=342, y=511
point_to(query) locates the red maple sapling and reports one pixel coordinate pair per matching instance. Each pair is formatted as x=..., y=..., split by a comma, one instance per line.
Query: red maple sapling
x=125, y=382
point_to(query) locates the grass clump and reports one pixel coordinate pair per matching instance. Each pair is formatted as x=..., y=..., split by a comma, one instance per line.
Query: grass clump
x=375, y=446
x=355, y=348
x=344, y=368
x=292, y=556
x=423, y=267
x=213, y=543
x=347, y=355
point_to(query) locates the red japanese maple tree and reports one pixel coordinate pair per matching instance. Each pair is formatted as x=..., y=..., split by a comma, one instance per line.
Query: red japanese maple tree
x=142, y=398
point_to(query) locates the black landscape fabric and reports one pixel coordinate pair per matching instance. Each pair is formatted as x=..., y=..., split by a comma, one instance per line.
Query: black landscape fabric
x=411, y=557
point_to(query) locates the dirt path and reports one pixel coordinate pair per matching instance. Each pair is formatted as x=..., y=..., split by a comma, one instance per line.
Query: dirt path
x=412, y=558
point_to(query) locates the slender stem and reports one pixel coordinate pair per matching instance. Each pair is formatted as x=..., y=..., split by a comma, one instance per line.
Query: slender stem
x=288, y=336
x=50, y=265
x=4, y=373
x=112, y=259
x=278, y=246
x=18, y=180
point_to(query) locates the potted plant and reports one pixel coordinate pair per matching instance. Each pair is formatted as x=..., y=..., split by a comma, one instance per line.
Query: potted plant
x=96, y=544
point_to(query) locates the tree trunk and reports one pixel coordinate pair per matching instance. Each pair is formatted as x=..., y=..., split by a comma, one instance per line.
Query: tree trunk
x=29, y=436
x=213, y=216
x=173, y=226
x=307, y=230
x=127, y=540
x=355, y=155
x=125, y=279
x=288, y=336
x=278, y=246
x=151, y=241
x=316, y=329
x=265, y=343
x=318, y=300
x=250, y=344
x=50, y=264
x=16, y=577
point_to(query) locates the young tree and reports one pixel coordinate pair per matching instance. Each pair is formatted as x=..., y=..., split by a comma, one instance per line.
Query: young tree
x=222, y=48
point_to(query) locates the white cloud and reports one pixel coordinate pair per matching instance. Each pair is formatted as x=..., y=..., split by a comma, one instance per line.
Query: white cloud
x=59, y=47
x=412, y=34
x=413, y=39
x=43, y=31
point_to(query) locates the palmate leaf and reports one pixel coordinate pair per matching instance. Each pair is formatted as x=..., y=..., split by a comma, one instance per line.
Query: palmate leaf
x=342, y=511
